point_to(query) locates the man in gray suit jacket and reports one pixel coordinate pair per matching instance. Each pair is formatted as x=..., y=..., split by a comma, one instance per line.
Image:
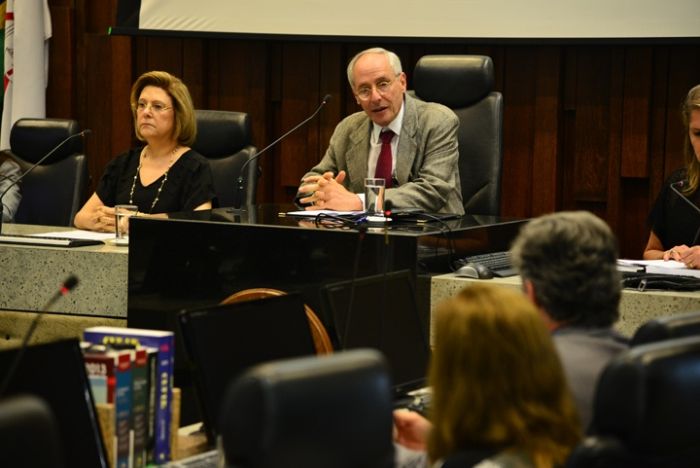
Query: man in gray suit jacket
x=424, y=145
x=568, y=265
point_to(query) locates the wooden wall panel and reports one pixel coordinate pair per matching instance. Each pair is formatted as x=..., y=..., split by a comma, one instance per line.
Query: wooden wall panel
x=589, y=159
x=518, y=137
x=586, y=126
x=60, y=101
x=636, y=113
x=546, y=152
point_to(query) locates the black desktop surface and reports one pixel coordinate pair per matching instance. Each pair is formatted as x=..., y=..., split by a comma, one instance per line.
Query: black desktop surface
x=197, y=259
x=56, y=373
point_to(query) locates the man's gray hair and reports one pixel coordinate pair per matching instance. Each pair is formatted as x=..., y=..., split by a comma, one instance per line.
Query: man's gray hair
x=571, y=259
x=394, y=61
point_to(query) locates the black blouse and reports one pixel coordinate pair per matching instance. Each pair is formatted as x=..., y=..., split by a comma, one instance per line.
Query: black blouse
x=672, y=219
x=189, y=184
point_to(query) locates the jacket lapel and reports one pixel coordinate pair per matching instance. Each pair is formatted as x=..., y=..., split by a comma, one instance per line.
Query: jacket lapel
x=407, y=142
x=356, y=156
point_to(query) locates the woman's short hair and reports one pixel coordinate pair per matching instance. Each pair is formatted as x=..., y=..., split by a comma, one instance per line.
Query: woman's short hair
x=690, y=103
x=570, y=257
x=497, y=380
x=394, y=61
x=185, y=128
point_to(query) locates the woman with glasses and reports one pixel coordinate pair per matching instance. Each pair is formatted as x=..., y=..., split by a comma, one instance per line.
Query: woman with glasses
x=165, y=175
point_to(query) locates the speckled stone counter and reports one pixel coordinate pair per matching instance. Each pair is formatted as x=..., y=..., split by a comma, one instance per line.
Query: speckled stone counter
x=30, y=275
x=635, y=307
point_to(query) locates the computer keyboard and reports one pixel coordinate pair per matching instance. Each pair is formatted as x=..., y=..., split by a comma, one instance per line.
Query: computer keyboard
x=23, y=239
x=498, y=262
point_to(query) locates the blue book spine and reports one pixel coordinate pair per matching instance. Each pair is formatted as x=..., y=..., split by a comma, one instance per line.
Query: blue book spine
x=164, y=342
x=123, y=408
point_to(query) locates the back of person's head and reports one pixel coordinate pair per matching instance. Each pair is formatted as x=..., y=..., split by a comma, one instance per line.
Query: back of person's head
x=185, y=129
x=394, y=61
x=570, y=258
x=691, y=104
x=496, y=378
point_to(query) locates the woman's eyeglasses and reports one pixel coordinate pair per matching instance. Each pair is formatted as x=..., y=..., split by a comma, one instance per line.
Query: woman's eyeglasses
x=156, y=107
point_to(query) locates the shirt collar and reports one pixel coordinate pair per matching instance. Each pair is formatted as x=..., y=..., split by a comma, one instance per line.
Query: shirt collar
x=394, y=126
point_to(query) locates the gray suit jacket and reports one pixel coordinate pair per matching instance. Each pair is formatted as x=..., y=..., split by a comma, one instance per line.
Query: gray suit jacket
x=584, y=353
x=426, y=163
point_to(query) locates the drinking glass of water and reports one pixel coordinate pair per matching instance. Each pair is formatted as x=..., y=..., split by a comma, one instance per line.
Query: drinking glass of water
x=374, y=196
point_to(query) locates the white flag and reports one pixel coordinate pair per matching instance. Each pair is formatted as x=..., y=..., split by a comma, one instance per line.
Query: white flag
x=27, y=33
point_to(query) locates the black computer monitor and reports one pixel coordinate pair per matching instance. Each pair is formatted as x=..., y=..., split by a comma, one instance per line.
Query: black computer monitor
x=56, y=373
x=380, y=312
x=221, y=341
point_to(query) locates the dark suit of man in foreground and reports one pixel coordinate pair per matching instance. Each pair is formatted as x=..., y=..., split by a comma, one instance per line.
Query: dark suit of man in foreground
x=424, y=145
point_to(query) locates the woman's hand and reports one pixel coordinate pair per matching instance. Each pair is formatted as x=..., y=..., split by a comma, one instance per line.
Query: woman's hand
x=411, y=429
x=104, y=219
x=688, y=255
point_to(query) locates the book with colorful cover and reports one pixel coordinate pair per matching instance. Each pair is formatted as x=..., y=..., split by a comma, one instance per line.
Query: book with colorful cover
x=164, y=342
x=110, y=375
x=139, y=403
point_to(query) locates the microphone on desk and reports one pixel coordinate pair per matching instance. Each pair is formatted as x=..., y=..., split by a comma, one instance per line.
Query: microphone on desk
x=675, y=187
x=68, y=285
x=38, y=163
x=241, y=177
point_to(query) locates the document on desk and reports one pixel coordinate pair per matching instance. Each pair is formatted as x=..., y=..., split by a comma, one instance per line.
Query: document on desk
x=77, y=234
x=670, y=267
x=314, y=213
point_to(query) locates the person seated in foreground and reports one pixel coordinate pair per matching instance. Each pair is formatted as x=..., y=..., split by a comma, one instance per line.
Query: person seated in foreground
x=500, y=397
x=163, y=176
x=568, y=265
x=420, y=170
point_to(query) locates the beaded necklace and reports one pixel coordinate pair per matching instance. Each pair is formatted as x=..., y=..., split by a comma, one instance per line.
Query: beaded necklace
x=165, y=177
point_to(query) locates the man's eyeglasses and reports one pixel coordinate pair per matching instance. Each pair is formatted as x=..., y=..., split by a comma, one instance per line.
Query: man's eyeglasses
x=156, y=107
x=365, y=93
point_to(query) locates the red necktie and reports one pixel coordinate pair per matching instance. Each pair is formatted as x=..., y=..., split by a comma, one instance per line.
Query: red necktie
x=384, y=162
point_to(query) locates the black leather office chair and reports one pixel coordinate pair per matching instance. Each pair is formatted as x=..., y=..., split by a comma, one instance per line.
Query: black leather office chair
x=224, y=137
x=666, y=328
x=647, y=410
x=55, y=190
x=465, y=84
x=315, y=412
x=28, y=433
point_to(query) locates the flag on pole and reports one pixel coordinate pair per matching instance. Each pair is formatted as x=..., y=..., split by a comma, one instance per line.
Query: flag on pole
x=27, y=34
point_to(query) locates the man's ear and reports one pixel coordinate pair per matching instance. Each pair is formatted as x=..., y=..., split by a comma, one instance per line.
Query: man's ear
x=529, y=290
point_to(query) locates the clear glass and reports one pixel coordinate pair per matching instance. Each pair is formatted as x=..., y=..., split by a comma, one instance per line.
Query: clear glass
x=374, y=196
x=122, y=213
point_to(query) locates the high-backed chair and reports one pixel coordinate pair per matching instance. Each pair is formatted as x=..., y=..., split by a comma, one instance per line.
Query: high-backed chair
x=224, y=138
x=28, y=433
x=665, y=328
x=322, y=341
x=465, y=84
x=54, y=191
x=647, y=410
x=315, y=412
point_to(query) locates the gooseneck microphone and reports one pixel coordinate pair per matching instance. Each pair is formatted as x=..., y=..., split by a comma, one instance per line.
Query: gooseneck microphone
x=70, y=283
x=241, y=177
x=674, y=186
x=38, y=163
